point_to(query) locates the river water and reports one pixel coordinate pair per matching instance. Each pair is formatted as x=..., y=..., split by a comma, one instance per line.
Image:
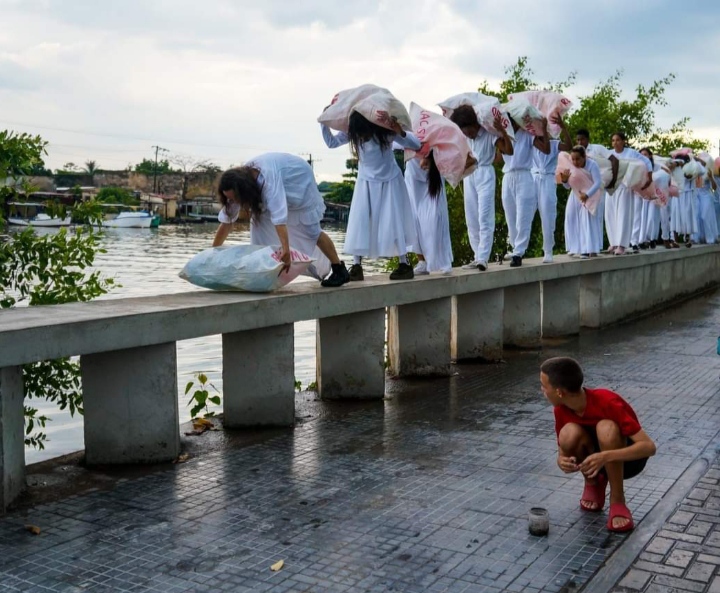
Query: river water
x=146, y=262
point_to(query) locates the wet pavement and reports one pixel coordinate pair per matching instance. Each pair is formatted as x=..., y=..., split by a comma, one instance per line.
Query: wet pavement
x=428, y=490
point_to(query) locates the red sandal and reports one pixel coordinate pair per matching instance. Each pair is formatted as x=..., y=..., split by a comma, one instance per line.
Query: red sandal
x=594, y=493
x=619, y=509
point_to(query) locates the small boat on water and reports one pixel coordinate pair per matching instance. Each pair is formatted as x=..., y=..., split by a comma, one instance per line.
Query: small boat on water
x=131, y=219
x=32, y=214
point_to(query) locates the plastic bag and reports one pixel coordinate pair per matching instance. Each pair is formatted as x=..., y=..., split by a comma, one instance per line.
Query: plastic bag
x=251, y=268
x=580, y=181
x=693, y=169
x=448, y=144
x=632, y=173
x=526, y=115
x=376, y=104
x=549, y=103
x=486, y=109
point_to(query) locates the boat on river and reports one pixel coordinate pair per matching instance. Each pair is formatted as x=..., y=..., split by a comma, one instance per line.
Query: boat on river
x=33, y=214
x=131, y=219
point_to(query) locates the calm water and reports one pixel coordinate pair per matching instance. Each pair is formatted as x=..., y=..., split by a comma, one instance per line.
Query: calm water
x=146, y=262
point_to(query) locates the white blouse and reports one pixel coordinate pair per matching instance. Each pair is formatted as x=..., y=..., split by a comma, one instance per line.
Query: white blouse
x=522, y=156
x=374, y=163
x=288, y=183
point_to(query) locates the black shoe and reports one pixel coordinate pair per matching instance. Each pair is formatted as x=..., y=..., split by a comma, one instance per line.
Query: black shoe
x=356, y=273
x=644, y=246
x=337, y=277
x=516, y=261
x=635, y=248
x=653, y=244
x=403, y=272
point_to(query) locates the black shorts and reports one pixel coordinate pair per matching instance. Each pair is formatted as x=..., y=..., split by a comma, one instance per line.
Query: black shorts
x=630, y=468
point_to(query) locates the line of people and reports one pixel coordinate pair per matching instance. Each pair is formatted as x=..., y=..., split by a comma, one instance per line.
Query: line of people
x=392, y=215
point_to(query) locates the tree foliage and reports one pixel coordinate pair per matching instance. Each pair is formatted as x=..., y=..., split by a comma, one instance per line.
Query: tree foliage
x=147, y=167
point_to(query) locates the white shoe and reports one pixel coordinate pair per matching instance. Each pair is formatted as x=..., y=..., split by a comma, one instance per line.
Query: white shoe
x=571, y=254
x=446, y=271
x=481, y=265
x=471, y=266
x=421, y=269
x=548, y=259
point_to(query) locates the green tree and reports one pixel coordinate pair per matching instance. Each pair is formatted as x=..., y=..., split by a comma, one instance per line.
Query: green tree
x=147, y=167
x=90, y=167
x=116, y=195
x=41, y=270
x=340, y=193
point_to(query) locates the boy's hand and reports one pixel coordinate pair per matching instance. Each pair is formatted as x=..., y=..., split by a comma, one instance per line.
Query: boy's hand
x=567, y=464
x=592, y=465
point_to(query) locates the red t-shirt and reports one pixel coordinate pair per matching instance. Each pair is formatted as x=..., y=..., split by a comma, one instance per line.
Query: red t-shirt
x=602, y=404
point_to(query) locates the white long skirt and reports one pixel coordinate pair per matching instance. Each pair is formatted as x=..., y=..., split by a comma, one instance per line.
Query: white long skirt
x=381, y=221
x=303, y=232
x=685, y=213
x=572, y=224
x=708, y=222
x=432, y=221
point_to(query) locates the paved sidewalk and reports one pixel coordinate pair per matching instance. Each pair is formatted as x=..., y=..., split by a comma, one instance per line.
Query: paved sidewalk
x=426, y=491
x=685, y=554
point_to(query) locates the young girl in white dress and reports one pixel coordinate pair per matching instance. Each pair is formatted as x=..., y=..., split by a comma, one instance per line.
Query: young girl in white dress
x=381, y=221
x=426, y=188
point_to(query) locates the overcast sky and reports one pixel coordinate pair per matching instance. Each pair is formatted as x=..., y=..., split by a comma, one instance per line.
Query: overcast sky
x=225, y=80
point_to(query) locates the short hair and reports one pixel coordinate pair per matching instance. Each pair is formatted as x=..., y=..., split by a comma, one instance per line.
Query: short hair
x=579, y=150
x=584, y=133
x=464, y=116
x=563, y=373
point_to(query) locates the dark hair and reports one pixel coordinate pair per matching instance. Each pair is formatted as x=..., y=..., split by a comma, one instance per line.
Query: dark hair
x=464, y=116
x=435, y=180
x=248, y=191
x=579, y=150
x=583, y=133
x=360, y=130
x=622, y=136
x=563, y=373
x=650, y=152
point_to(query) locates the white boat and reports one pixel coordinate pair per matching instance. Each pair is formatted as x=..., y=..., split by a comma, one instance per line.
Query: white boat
x=38, y=219
x=131, y=220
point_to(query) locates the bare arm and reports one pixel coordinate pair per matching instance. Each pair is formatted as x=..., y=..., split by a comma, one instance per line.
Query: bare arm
x=285, y=243
x=566, y=142
x=642, y=447
x=614, y=166
x=504, y=142
x=542, y=143
x=222, y=233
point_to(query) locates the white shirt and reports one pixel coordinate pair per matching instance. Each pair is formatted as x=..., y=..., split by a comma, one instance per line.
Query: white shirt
x=483, y=148
x=630, y=154
x=287, y=182
x=374, y=163
x=522, y=156
x=546, y=163
x=591, y=167
x=598, y=151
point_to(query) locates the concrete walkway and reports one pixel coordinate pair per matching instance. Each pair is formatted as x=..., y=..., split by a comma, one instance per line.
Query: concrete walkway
x=426, y=491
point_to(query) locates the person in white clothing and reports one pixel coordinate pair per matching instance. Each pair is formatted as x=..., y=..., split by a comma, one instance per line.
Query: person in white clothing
x=543, y=172
x=651, y=209
x=381, y=221
x=278, y=193
x=519, y=196
x=479, y=187
x=587, y=240
x=683, y=217
x=619, y=207
x=708, y=230
x=426, y=188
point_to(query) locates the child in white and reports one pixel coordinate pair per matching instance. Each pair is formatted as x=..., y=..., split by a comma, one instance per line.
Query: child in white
x=543, y=172
x=479, y=187
x=619, y=213
x=426, y=188
x=381, y=221
x=519, y=196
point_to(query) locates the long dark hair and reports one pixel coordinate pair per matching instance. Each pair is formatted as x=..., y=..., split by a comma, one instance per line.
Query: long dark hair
x=360, y=130
x=435, y=180
x=464, y=116
x=650, y=152
x=248, y=192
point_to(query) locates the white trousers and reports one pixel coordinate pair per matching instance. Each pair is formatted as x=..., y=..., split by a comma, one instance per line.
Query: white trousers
x=650, y=222
x=519, y=201
x=619, y=216
x=665, y=222
x=479, y=197
x=546, y=189
x=637, y=226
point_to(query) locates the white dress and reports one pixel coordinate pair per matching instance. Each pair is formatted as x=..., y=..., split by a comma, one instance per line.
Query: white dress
x=290, y=196
x=431, y=217
x=381, y=221
x=587, y=238
x=708, y=231
x=598, y=150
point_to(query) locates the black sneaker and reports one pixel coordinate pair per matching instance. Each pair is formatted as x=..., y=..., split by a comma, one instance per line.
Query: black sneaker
x=644, y=246
x=635, y=248
x=653, y=244
x=356, y=273
x=403, y=272
x=516, y=261
x=337, y=277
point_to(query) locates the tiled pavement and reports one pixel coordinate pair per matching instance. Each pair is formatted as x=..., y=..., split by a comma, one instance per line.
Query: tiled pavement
x=426, y=491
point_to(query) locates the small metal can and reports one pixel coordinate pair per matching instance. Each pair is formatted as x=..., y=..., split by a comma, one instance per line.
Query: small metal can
x=538, y=521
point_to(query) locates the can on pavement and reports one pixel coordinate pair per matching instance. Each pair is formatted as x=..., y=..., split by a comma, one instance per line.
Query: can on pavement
x=538, y=521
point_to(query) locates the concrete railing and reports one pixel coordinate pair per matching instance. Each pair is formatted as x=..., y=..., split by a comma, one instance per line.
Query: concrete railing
x=128, y=354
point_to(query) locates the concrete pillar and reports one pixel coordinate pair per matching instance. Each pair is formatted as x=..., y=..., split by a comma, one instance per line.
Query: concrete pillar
x=591, y=300
x=259, y=377
x=478, y=325
x=12, y=435
x=561, y=307
x=522, y=316
x=130, y=399
x=350, y=357
x=419, y=338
